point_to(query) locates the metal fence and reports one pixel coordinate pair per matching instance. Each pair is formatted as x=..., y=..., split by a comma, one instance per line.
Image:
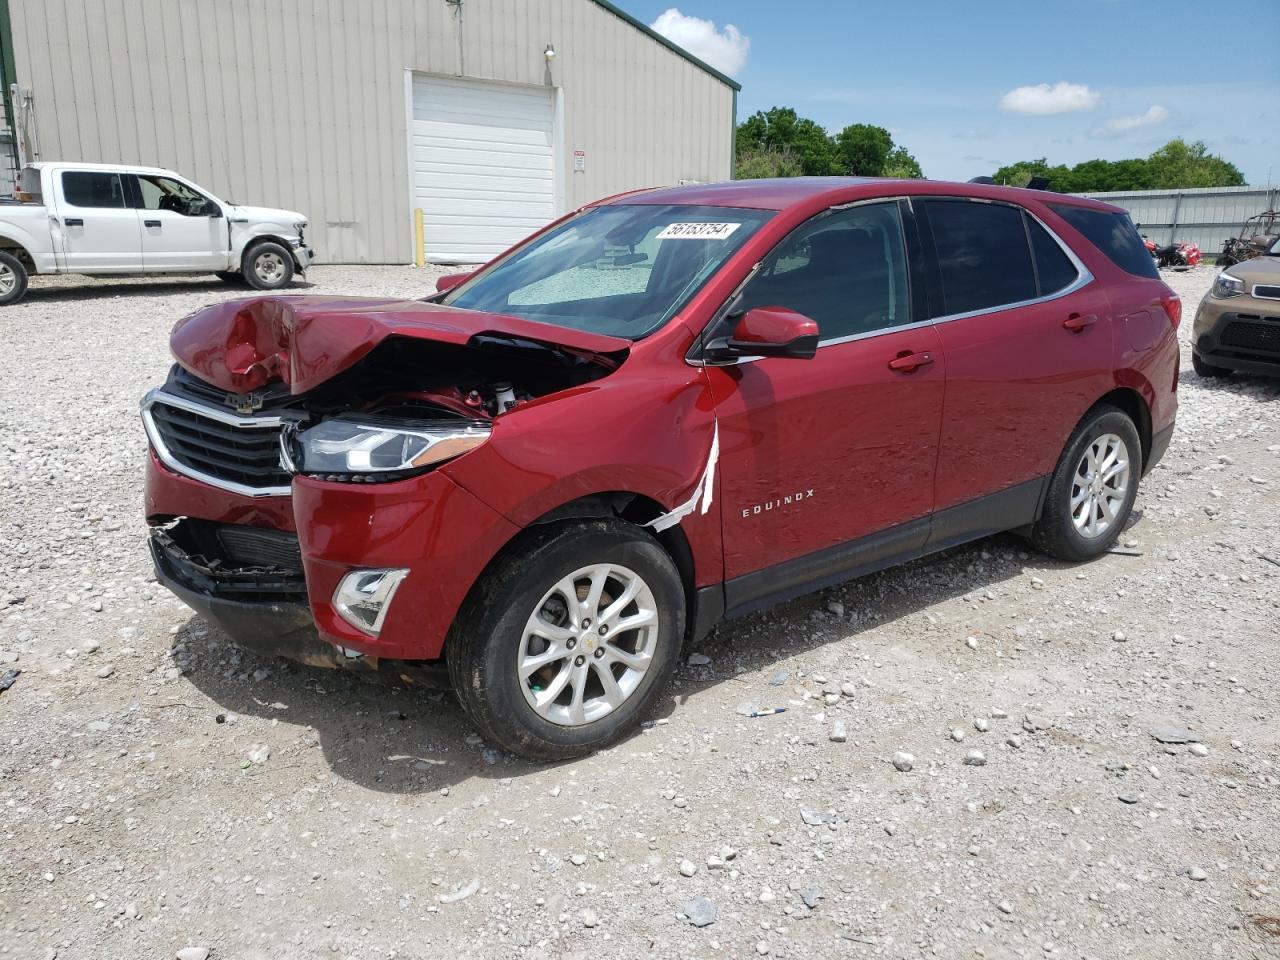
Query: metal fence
x=1205, y=215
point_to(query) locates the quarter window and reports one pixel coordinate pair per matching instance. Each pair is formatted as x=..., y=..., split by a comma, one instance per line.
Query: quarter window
x=845, y=269
x=1112, y=233
x=82, y=188
x=1054, y=270
x=983, y=256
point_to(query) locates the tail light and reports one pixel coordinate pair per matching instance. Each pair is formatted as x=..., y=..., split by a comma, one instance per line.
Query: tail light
x=1172, y=304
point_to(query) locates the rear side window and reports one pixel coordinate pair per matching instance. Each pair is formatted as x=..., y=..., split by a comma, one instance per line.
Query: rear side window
x=1112, y=233
x=82, y=188
x=983, y=255
x=1054, y=270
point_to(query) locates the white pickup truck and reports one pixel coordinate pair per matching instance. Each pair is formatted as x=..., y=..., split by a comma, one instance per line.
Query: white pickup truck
x=102, y=219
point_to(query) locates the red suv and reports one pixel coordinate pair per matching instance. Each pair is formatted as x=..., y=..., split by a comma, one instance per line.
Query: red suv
x=665, y=409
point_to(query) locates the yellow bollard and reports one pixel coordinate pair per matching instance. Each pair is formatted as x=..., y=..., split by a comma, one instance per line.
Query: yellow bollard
x=419, y=250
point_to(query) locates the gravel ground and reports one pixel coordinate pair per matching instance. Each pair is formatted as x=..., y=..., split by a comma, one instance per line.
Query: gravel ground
x=162, y=790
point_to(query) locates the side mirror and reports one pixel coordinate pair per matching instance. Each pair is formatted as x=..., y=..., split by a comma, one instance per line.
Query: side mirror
x=768, y=332
x=212, y=210
x=450, y=280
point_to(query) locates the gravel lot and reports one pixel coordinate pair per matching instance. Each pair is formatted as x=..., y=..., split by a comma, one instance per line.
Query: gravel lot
x=331, y=818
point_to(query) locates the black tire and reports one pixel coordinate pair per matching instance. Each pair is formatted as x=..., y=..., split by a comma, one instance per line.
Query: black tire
x=233, y=277
x=268, y=266
x=484, y=645
x=11, y=266
x=1207, y=370
x=1055, y=532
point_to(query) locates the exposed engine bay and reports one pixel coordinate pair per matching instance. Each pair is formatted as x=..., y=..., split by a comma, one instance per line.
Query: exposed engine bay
x=405, y=406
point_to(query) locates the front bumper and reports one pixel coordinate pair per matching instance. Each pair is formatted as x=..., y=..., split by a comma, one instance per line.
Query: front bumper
x=1242, y=334
x=440, y=533
x=274, y=626
x=302, y=255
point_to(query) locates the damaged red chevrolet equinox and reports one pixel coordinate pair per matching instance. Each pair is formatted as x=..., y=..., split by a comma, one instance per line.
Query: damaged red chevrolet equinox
x=665, y=409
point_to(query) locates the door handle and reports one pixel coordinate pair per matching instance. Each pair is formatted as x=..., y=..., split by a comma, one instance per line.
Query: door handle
x=73, y=221
x=910, y=362
x=151, y=223
x=1075, y=323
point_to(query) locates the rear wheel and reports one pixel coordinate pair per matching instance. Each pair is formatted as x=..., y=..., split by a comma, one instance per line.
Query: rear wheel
x=1207, y=370
x=568, y=642
x=268, y=266
x=1092, y=490
x=13, y=279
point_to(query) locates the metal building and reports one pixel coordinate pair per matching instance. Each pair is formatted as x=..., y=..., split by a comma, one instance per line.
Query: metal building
x=492, y=116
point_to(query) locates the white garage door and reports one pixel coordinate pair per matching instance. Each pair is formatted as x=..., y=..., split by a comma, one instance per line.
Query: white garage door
x=483, y=165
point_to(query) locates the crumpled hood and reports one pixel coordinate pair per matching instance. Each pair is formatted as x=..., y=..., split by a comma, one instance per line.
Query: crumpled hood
x=266, y=214
x=242, y=345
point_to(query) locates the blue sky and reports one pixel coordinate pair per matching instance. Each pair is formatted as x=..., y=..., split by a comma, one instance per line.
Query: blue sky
x=1107, y=78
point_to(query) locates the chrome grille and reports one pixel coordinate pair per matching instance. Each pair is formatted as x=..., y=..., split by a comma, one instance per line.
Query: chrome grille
x=1267, y=291
x=221, y=448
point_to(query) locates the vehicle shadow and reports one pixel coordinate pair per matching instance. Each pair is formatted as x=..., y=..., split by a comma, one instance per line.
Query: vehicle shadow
x=176, y=286
x=397, y=739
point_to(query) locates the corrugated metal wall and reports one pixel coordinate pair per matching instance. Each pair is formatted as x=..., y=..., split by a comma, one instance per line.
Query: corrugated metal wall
x=303, y=103
x=1206, y=216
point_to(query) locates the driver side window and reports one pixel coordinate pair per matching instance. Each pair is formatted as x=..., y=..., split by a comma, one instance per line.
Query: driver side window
x=165, y=193
x=846, y=269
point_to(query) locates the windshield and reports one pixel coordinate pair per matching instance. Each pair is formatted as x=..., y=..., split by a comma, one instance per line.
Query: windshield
x=622, y=270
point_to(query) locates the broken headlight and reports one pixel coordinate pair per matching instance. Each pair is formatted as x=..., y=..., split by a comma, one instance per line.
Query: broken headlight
x=373, y=448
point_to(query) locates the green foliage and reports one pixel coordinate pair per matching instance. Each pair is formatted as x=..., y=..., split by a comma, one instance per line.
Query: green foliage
x=757, y=163
x=864, y=149
x=902, y=165
x=779, y=143
x=1182, y=164
x=1176, y=165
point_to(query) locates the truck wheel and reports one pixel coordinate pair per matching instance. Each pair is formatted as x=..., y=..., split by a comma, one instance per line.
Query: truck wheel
x=13, y=279
x=233, y=277
x=268, y=266
x=569, y=641
x=1092, y=490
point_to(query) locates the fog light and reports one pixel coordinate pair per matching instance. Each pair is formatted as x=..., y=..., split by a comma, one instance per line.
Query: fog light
x=363, y=597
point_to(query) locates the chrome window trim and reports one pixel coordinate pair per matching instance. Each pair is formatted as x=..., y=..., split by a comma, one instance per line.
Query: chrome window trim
x=1084, y=277
x=822, y=343
x=158, y=395
x=1262, y=296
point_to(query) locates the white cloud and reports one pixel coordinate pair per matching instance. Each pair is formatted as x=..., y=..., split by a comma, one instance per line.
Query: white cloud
x=1044, y=99
x=726, y=49
x=1121, y=125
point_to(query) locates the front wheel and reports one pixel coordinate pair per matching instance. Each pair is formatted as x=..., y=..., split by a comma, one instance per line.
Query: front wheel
x=13, y=279
x=268, y=266
x=1092, y=490
x=569, y=640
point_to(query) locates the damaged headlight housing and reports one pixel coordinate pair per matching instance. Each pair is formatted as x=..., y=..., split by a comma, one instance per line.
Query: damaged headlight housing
x=377, y=449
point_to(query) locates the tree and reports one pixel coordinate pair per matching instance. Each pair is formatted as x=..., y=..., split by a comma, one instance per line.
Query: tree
x=902, y=165
x=755, y=163
x=781, y=130
x=864, y=149
x=1182, y=164
x=1176, y=165
x=780, y=143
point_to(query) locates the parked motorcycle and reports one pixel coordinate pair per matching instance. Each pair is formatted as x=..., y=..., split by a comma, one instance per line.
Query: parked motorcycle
x=1181, y=254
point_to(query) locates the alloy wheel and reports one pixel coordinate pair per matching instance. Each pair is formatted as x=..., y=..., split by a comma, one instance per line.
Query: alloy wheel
x=8, y=279
x=1100, y=485
x=588, y=644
